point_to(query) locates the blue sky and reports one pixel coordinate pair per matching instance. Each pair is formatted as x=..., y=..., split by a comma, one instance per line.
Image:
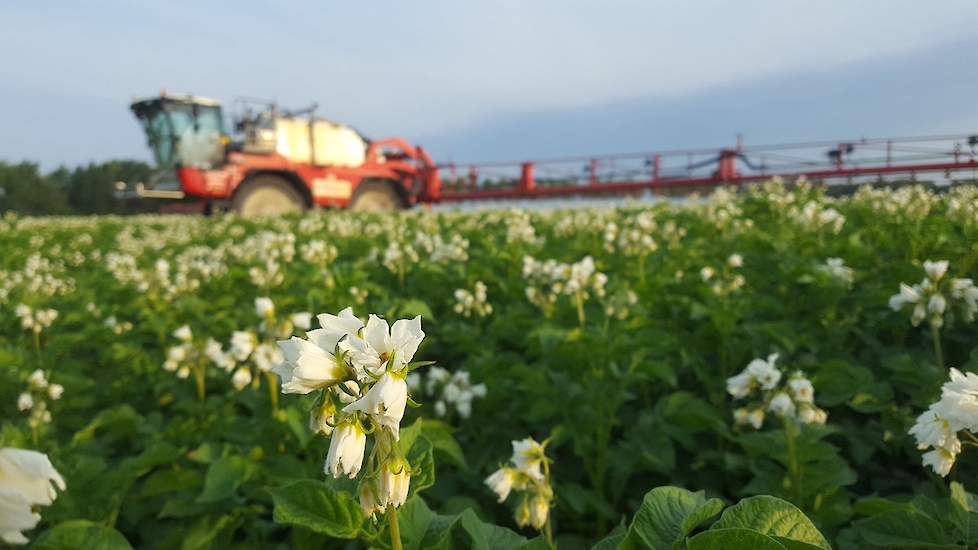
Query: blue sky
x=510, y=79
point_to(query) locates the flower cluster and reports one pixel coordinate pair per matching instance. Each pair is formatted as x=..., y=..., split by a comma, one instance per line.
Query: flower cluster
x=27, y=480
x=167, y=279
x=727, y=280
x=620, y=304
x=440, y=251
x=837, y=269
x=520, y=230
x=472, y=302
x=723, y=211
x=814, y=216
x=551, y=279
x=929, y=299
x=116, y=326
x=257, y=347
x=528, y=473
x=318, y=253
x=398, y=257
x=359, y=295
x=451, y=390
x=40, y=278
x=185, y=356
x=359, y=372
x=634, y=240
x=793, y=398
x=956, y=412
x=34, y=400
x=35, y=320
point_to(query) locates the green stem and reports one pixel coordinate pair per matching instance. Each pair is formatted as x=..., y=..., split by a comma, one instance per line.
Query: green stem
x=548, y=531
x=37, y=347
x=199, y=380
x=272, y=390
x=580, y=307
x=794, y=471
x=641, y=270
x=395, y=528
x=935, y=334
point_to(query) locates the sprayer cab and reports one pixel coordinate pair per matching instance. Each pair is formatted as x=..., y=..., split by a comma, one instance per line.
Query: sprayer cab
x=182, y=130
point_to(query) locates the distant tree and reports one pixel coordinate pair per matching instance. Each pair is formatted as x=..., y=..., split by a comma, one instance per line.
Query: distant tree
x=91, y=189
x=26, y=190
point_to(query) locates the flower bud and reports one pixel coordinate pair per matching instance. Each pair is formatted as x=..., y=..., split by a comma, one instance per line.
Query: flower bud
x=321, y=417
x=523, y=513
x=395, y=479
x=539, y=511
x=368, y=500
x=501, y=482
x=241, y=378
x=346, y=447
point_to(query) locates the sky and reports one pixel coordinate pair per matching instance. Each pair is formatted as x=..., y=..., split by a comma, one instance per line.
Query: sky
x=501, y=80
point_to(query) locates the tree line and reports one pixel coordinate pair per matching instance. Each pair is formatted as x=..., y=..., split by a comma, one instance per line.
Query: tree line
x=88, y=189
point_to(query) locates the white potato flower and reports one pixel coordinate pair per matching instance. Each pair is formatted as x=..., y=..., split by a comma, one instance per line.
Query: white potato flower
x=940, y=460
x=243, y=343
x=837, y=269
x=38, y=380
x=539, y=511
x=184, y=334
x=369, y=502
x=333, y=328
x=802, y=390
x=267, y=356
x=782, y=405
x=383, y=346
x=322, y=418
x=756, y=418
x=241, y=378
x=528, y=456
x=55, y=391
x=301, y=320
x=765, y=373
x=25, y=401
x=935, y=270
x=264, y=307
x=502, y=481
x=346, y=448
x=907, y=295
x=740, y=386
x=307, y=367
x=27, y=480
x=385, y=402
x=395, y=480
x=937, y=428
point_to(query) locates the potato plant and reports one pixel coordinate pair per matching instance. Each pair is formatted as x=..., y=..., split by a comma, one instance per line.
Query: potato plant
x=772, y=368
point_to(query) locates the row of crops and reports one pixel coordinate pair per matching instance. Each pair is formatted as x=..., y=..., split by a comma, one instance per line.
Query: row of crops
x=767, y=369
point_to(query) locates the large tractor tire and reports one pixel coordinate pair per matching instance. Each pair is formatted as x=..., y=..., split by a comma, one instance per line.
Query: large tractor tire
x=376, y=196
x=267, y=195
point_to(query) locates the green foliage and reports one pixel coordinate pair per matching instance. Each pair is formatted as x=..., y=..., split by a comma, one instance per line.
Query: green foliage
x=636, y=392
x=676, y=519
x=81, y=535
x=312, y=505
x=921, y=522
x=667, y=516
